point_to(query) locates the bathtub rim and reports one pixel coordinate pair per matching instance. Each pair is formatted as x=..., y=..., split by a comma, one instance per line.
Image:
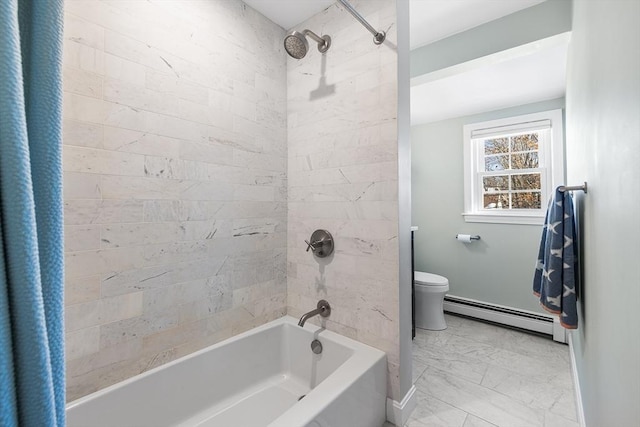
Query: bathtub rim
x=363, y=358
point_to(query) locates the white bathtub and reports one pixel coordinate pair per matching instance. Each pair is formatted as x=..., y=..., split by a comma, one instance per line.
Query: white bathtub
x=253, y=379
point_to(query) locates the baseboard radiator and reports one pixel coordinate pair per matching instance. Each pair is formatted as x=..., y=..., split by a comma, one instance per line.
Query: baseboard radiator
x=522, y=319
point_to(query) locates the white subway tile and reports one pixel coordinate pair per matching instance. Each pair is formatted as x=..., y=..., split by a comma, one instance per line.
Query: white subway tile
x=102, y=311
x=83, y=108
x=342, y=176
x=81, y=343
x=80, y=31
x=124, y=70
x=83, y=211
x=90, y=160
x=176, y=151
x=81, y=289
x=254, y=193
x=138, y=188
x=81, y=237
x=162, y=167
x=82, y=82
x=83, y=57
x=81, y=186
x=82, y=134
x=132, y=141
x=139, y=97
x=206, y=152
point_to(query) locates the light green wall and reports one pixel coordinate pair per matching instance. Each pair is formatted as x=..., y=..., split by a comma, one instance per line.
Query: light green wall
x=603, y=148
x=528, y=25
x=498, y=268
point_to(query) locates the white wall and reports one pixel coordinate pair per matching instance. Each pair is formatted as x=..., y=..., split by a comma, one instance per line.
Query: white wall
x=405, y=350
x=498, y=268
x=529, y=25
x=343, y=177
x=175, y=181
x=603, y=148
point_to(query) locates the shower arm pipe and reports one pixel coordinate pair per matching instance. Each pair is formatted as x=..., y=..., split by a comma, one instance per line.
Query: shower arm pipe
x=378, y=36
x=314, y=36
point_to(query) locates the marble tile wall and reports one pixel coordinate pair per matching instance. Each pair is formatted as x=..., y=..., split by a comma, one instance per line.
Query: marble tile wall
x=343, y=177
x=175, y=162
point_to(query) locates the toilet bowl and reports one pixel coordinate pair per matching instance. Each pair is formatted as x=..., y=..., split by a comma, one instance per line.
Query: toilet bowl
x=430, y=291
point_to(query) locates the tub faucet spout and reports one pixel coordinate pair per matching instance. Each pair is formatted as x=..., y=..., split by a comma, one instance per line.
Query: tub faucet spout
x=323, y=309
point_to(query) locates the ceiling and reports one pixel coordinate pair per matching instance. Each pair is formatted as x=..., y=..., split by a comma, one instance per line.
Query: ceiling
x=495, y=84
x=490, y=85
x=430, y=20
x=288, y=13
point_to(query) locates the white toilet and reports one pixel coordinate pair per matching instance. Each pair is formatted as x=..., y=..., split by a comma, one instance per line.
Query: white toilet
x=430, y=291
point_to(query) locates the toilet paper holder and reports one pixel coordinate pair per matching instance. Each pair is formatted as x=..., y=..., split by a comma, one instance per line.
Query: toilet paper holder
x=461, y=237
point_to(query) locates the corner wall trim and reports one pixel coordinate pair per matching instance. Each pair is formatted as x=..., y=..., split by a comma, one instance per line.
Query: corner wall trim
x=576, y=383
x=398, y=412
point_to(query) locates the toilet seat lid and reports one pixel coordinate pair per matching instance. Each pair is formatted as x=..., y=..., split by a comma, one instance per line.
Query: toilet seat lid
x=429, y=279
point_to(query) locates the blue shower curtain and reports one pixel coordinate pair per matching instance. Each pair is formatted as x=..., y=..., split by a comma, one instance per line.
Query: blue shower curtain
x=31, y=252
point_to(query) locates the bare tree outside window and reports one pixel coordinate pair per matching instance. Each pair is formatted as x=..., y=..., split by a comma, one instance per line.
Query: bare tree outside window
x=511, y=180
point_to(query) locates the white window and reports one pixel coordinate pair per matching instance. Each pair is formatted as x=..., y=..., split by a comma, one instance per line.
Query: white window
x=512, y=167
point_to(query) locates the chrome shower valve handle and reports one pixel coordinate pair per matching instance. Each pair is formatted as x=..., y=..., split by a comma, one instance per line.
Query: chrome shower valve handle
x=320, y=243
x=311, y=245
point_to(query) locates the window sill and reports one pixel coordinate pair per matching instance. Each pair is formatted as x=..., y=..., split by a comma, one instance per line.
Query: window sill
x=505, y=218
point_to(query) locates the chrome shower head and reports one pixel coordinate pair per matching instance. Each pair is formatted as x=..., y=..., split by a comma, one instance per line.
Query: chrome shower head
x=296, y=45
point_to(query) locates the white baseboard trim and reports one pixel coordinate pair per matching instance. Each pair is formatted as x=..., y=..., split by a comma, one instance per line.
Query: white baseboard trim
x=576, y=383
x=398, y=413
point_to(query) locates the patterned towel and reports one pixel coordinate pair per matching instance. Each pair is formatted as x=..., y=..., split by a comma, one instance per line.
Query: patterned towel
x=555, y=277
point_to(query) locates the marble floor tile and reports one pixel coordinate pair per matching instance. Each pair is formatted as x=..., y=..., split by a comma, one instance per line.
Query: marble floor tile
x=565, y=406
x=433, y=412
x=544, y=391
x=475, y=374
x=464, y=346
x=553, y=420
x=478, y=400
x=481, y=331
x=425, y=339
x=507, y=359
x=418, y=369
x=473, y=421
x=454, y=362
x=536, y=346
x=454, y=321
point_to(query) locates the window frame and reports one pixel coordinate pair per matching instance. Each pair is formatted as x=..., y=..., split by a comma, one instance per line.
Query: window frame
x=550, y=157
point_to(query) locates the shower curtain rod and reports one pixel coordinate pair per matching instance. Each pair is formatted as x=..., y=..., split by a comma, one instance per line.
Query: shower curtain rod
x=378, y=36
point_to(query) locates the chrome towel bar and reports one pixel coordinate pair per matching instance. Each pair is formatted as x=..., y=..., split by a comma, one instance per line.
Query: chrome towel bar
x=582, y=187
